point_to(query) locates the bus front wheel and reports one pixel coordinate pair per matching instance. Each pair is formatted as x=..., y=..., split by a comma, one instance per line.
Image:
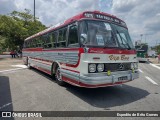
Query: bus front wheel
x=58, y=77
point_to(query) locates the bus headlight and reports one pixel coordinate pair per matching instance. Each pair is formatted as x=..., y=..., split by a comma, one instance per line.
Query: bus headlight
x=92, y=67
x=100, y=67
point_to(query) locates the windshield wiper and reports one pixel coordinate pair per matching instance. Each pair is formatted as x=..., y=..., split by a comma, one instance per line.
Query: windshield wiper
x=123, y=40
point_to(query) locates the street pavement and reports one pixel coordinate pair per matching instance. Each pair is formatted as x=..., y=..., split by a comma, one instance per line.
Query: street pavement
x=31, y=90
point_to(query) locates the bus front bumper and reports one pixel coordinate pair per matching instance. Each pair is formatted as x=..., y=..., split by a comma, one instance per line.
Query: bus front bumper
x=94, y=80
x=103, y=80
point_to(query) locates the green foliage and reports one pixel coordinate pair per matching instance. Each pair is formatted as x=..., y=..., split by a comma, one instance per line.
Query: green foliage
x=16, y=27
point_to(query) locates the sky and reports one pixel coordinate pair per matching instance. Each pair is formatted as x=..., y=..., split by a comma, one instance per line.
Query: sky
x=141, y=16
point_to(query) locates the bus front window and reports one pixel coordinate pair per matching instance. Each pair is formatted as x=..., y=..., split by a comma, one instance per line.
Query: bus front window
x=96, y=33
x=99, y=33
x=123, y=37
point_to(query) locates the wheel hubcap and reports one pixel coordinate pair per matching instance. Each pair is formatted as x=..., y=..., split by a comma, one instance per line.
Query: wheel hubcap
x=58, y=74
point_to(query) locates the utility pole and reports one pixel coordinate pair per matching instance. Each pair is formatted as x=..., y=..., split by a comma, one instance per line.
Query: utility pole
x=141, y=36
x=34, y=10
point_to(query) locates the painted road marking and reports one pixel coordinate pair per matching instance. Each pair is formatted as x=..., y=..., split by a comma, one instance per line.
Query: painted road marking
x=149, y=79
x=11, y=70
x=5, y=105
x=154, y=66
x=21, y=66
x=157, y=64
x=140, y=71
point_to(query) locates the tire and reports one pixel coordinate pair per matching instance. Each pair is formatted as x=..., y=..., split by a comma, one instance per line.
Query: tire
x=58, y=77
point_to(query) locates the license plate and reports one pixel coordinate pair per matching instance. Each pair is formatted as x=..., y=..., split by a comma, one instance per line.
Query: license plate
x=122, y=78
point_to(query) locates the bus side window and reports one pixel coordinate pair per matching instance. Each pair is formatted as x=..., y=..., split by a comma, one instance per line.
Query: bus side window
x=53, y=38
x=62, y=38
x=31, y=43
x=41, y=41
x=38, y=42
x=47, y=43
x=34, y=42
x=25, y=44
x=73, y=36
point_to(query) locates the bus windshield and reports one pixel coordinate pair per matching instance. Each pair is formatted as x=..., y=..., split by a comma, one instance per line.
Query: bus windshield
x=99, y=33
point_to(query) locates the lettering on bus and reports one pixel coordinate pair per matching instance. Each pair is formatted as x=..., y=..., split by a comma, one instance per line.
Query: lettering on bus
x=122, y=57
x=104, y=17
x=99, y=16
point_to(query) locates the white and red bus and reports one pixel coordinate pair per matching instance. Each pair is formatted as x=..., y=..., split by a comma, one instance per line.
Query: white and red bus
x=91, y=49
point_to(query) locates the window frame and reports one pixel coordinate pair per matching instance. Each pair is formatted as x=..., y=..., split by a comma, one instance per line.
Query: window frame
x=78, y=43
x=63, y=40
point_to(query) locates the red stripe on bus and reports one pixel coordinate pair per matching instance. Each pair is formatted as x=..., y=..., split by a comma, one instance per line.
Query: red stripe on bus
x=62, y=49
x=40, y=61
x=56, y=49
x=33, y=49
x=110, y=51
x=100, y=85
x=43, y=70
x=71, y=70
x=91, y=50
x=66, y=79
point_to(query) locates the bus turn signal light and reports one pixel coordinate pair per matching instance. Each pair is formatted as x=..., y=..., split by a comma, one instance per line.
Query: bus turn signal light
x=108, y=72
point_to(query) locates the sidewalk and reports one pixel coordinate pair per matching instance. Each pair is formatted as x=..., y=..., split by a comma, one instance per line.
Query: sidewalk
x=154, y=60
x=6, y=63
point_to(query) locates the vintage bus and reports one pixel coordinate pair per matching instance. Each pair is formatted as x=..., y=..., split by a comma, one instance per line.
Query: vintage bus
x=92, y=49
x=142, y=52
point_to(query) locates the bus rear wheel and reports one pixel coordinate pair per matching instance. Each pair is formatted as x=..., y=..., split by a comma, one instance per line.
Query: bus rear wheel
x=58, y=77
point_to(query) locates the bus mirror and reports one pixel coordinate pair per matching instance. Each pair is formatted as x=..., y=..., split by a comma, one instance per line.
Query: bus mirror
x=83, y=38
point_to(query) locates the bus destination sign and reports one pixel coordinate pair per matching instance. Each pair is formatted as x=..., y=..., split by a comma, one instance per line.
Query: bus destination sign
x=104, y=17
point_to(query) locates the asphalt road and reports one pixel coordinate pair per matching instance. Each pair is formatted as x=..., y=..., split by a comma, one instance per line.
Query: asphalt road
x=32, y=90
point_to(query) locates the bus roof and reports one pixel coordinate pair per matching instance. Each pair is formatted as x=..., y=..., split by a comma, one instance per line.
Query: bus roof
x=87, y=14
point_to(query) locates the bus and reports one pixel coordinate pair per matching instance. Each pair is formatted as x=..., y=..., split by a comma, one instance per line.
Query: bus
x=142, y=52
x=92, y=49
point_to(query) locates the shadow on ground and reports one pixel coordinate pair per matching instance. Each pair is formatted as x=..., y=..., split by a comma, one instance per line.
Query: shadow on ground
x=5, y=95
x=105, y=97
x=108, y=96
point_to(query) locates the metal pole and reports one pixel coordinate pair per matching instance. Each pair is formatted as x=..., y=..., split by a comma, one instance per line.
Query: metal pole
x=34, y=10
x=141, y=36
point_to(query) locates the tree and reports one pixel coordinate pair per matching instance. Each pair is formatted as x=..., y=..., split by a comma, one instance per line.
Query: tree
x=158, y=49
x=17, y=26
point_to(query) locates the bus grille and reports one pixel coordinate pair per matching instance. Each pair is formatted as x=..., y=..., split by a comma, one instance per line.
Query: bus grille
x=117, y=66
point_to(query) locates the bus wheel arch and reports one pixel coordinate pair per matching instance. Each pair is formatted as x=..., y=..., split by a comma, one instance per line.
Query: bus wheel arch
x=55, y=72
